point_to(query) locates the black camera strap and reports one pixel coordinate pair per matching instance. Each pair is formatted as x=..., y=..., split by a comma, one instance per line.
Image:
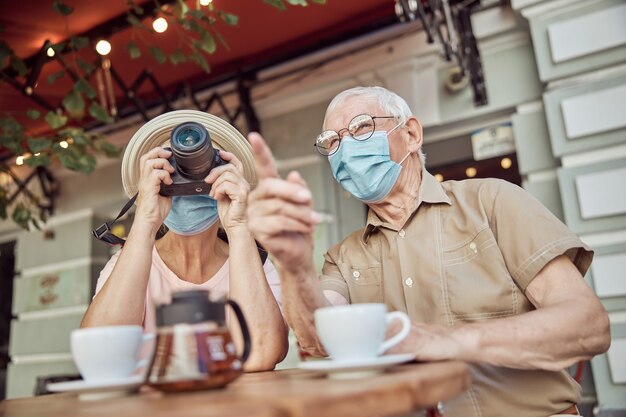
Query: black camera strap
x=104, y=233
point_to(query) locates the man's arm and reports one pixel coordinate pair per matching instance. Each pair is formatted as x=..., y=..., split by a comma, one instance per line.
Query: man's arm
x=569, y=324
x=281, y=217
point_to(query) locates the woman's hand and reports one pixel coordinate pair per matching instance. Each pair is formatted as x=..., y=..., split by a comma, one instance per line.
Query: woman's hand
x=155, y=169
x=230, y=189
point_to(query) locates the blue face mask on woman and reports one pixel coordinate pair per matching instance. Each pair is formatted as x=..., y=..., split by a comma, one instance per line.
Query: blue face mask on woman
x=364, y=168
x=192, y=214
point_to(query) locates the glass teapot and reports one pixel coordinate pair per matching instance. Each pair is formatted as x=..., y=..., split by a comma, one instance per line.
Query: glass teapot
x=194, y=349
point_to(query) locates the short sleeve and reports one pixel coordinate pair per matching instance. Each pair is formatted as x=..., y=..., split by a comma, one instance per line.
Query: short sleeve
x=106, y=272
x=331, y=278
x=528, y=234
x=273, y=280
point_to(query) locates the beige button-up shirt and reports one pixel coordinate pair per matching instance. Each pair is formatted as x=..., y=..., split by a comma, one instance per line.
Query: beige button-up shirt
x=467, y=253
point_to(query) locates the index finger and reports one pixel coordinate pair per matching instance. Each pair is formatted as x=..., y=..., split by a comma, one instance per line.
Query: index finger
x=263, y=158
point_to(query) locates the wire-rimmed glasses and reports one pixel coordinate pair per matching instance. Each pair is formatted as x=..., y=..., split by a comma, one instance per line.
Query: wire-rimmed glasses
x=361, y=128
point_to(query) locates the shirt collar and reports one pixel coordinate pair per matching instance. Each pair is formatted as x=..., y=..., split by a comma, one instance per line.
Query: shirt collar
x=431, y=192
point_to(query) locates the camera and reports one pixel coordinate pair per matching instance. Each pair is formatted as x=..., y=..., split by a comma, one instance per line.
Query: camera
x=193, y=157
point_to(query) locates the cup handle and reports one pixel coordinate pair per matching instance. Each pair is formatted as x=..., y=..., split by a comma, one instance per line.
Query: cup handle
x=146, y=338
x=398, y=337
x=245, y=333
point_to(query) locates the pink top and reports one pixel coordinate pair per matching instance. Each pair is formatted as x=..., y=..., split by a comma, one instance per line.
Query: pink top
x=163, y=282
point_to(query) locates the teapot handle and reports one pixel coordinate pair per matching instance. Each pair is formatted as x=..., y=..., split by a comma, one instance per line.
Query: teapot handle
x=245, y=333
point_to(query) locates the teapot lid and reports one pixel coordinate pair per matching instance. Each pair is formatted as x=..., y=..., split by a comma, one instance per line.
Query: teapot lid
x=190, y=307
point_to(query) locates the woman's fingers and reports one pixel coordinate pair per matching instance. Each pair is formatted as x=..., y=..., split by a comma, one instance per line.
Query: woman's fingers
x=217, y=172
x=231, y=159
x=230, y=185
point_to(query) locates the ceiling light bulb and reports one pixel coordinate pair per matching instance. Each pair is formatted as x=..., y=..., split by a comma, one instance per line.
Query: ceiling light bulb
x=19, y=160
x=50, y=52
x=506, y=163
x=159, y=25
x=103, y=47
x=439, y=177
x=63, y=144
x=470, y=172
x=205, y=2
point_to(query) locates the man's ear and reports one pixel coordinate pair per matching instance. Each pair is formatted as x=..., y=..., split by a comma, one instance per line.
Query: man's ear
x=414, y=129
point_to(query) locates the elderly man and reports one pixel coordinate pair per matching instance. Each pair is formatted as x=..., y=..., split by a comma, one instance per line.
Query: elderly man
x=486, y=273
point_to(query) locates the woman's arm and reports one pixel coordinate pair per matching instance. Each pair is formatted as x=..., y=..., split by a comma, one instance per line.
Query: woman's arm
x=122, y=298
x=247, y=281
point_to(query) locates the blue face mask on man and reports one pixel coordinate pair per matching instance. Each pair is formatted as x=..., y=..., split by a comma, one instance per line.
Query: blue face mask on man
x=364, y=168
x=192, y=214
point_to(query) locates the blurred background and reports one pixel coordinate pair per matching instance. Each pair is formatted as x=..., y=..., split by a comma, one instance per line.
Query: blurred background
x=530, y=91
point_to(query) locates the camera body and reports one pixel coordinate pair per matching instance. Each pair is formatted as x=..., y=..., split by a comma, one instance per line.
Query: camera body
x=193, y=157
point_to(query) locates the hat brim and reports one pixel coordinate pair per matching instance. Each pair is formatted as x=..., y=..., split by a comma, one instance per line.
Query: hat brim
x=157, y=133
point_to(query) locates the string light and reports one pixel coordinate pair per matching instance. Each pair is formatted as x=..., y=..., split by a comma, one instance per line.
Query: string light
x=439, y=177
x=205, y=2
x=506, y=163
x=159, y=25
x=63, y=144
x=19, y=160
x=471, y=172
x=103, y=47
x=50, y=52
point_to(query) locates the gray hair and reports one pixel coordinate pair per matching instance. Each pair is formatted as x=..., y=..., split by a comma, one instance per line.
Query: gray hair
x=389, y=102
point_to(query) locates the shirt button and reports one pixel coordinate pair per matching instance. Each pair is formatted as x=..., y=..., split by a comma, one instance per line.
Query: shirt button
x=356, y=274
x=473, y=247
x=402, y=233
x=409, y=282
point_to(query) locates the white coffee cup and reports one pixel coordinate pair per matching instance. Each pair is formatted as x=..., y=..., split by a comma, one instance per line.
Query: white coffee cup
x=108, y=352
x=357, y=331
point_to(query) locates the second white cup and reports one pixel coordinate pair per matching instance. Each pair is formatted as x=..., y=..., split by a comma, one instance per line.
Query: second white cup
x=357, y=331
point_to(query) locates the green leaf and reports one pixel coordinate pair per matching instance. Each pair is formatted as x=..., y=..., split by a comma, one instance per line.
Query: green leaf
x=136, y=8
x=180, y=9
x=39, y=144
x=38, y=161
x=222, y=41
x=229, y=19
x=99, y=113
x=198, y=14
x=54, y=120
x=298, y=3
x=207, y=43
x=319, y=1
x=177, y=57
x=55, y=76
x=199, y=59
x=133, y=50
x=193, y=25
x=84, y=87
x=78, y=42
x=110, y=150
x=134, y=20
x=62, y=8
x=158, y=54
x=276, y=3
x=18, y=65
x=74, y=102
x=58, y=47
x=33, y=114
x=85, y=66
x=21, y=215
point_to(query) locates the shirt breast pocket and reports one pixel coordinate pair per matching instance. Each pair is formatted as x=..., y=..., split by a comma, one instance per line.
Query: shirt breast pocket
x=478, y=283
x=364, y=283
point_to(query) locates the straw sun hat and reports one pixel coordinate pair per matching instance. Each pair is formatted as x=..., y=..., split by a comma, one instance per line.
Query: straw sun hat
x=157, y=133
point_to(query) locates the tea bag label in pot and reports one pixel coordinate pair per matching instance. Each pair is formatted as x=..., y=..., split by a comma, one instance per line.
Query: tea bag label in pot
x=194, y=348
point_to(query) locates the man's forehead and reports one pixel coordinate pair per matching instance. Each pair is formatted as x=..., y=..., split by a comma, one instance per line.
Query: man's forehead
x=353, y=106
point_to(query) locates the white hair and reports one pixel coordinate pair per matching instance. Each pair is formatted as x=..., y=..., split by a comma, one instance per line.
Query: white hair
x=389, y=102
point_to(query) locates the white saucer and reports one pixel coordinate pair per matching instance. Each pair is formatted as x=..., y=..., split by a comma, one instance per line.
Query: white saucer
x=92, y=390
x=358, y=368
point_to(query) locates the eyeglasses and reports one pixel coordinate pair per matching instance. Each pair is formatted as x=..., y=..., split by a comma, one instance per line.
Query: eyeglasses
x=361, y=128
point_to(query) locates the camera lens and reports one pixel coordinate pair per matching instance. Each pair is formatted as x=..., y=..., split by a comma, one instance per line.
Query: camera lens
x=192, y=149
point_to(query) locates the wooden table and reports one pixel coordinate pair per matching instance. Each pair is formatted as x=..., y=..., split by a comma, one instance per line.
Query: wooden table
x=290, y=393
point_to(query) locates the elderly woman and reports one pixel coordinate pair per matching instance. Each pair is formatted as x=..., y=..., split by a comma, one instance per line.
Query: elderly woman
x=191, y=255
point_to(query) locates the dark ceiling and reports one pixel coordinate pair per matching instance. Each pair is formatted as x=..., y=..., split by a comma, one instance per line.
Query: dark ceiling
x=263, y=35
